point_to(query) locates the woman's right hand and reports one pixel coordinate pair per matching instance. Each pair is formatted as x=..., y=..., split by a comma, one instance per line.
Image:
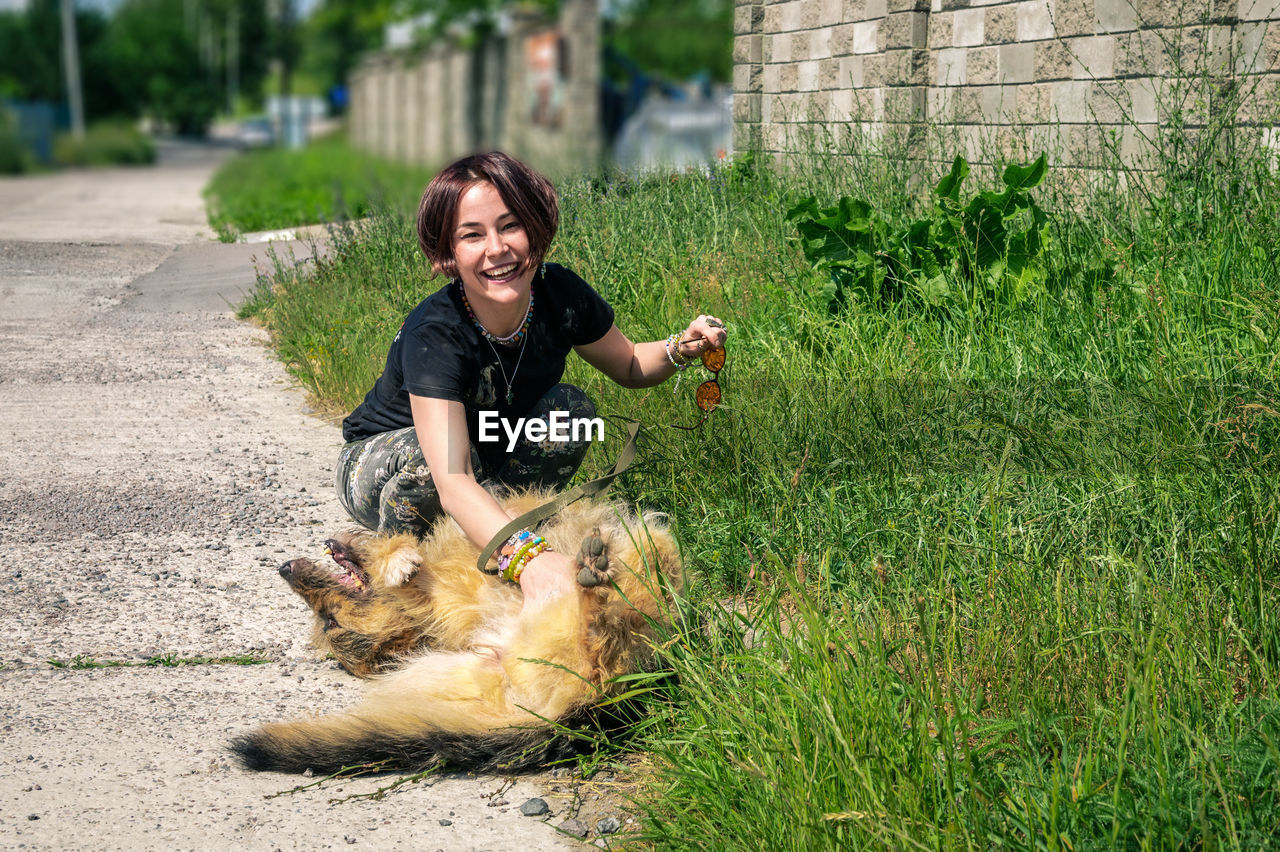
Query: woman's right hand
x=547, y=575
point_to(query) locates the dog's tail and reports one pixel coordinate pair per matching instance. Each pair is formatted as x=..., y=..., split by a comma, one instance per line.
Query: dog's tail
x=332, y=744
x=501, y=704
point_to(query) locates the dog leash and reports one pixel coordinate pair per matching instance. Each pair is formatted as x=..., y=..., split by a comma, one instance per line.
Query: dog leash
x=586, y=489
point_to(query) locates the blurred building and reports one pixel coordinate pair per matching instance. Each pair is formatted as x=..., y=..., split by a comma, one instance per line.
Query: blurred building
x=531, y=89
x=536, y=89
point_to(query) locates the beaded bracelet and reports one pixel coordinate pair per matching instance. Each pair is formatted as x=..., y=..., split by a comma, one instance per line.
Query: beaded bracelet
x=517, y=565
x=673, y=353
x=511, y=547
x=521, y=541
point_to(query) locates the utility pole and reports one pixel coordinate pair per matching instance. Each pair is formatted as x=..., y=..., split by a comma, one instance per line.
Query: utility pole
x=233, y=57
x=71, y=65
x=288, y=49
x=292, y=130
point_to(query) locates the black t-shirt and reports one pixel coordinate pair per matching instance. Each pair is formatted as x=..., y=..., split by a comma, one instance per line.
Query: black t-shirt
x=439, y=353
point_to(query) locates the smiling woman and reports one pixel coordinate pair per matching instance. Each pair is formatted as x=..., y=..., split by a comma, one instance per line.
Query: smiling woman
x=491, y=346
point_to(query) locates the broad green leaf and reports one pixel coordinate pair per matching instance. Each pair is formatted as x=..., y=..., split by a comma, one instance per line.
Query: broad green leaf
x=918, y=233
x=999, y=201
x=949, y=186
x=854, y=209
x=995, y=272
x=1020, y=284
x=807, y=208
x=832, y=234
x=1026, y=177
x=985, y=232
x=929, y=264
x=934, y=290
x=1024, y=249
x=833, y=293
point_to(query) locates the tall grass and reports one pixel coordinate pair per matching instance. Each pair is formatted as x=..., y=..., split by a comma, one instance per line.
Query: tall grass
x=328, y=181
x=333, y=321
x=1011, y=570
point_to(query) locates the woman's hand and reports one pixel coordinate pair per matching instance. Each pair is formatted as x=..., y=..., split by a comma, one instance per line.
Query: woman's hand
x=703, y=334
x=643, y=365
x=547, y=575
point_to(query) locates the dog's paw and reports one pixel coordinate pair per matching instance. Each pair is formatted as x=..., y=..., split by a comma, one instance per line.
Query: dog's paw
x=593, y=561
x=401, y=565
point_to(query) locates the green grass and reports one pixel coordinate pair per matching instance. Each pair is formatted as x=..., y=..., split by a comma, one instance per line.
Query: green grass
x=328, y=181
x=1012, y=567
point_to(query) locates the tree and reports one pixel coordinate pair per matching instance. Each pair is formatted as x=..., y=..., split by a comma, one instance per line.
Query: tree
x=31, y=58
x=29, y=41
x=470, y=21
x=676, y=39
x=169, y=57
x=156, y=58
x=166, y=58
x=336, y=35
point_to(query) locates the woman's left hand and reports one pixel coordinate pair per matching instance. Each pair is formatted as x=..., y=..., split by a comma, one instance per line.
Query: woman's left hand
x=703, y=334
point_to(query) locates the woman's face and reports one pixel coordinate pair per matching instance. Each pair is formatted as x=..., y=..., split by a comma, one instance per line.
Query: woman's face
x=491, y=248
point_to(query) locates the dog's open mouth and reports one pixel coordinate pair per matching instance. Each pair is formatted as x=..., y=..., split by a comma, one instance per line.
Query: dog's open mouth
x=348, y=574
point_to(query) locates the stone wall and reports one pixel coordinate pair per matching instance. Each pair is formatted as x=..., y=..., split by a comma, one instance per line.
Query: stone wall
x=434, y=105
x=1010, y=77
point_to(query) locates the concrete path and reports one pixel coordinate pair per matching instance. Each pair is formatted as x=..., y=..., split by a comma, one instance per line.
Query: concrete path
x=156, y=464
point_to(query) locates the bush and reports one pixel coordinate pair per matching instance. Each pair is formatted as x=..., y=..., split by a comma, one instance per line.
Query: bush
x=992, y=243
x=110, y=144
x=13, y=157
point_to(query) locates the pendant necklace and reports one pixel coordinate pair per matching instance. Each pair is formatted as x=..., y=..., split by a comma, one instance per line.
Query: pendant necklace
x=510, y=390
x=521, y=334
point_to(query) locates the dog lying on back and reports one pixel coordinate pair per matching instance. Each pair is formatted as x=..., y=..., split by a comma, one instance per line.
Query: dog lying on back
x=464, y=672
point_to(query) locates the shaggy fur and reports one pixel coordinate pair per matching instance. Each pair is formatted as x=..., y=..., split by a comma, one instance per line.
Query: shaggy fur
x=465, y=672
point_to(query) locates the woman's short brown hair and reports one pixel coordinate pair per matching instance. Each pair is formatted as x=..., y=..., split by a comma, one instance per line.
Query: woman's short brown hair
x=528, y=195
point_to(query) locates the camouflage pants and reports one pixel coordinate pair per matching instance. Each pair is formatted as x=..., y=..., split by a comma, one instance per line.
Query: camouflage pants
x=384, y=484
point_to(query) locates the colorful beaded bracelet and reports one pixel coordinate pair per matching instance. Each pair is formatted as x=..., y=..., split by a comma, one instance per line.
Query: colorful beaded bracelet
x=517, y=565
x=511, y=547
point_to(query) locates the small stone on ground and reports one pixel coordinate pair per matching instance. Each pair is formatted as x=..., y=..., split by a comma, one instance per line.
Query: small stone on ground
x=535, y=807
x=576, y=827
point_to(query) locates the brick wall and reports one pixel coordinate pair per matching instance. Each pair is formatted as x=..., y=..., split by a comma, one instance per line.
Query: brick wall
x=1067, y=76
x=426, y=106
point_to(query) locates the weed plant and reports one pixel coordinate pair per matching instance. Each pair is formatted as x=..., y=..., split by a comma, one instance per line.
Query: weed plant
x=326, y=182
x=1010, y=567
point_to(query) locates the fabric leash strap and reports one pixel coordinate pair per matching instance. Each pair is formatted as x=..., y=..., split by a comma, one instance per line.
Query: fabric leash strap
x=586, y=489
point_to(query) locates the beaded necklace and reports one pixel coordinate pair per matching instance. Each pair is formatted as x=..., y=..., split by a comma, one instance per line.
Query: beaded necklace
x=509, y=339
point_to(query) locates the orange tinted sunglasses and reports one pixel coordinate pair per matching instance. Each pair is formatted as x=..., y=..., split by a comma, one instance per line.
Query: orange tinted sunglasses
x=707, y=396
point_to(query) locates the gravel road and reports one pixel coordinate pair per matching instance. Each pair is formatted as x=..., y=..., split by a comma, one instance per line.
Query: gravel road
x=156, y=464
